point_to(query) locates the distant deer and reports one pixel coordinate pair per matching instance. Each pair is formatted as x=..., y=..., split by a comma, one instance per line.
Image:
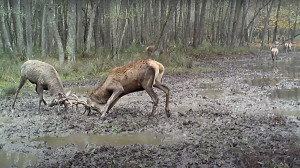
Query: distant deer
x=45, y=77
x=274, y=52
x=286, y=47
x=133, y=77
x=290, y=46
x=150, y=49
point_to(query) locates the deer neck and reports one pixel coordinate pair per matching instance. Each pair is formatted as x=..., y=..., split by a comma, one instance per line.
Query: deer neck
x=100, y=95
x=56, y=88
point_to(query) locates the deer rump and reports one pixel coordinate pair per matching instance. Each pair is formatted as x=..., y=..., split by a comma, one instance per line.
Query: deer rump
x=137, y=76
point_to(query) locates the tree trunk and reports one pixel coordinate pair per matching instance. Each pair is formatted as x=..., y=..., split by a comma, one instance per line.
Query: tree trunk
x=61, y=55
x=44, y=30
x=107, y=34
x=28, y=23
x=187, y=25
x=242, y=31
x=98, y=28
x=18, y=26
x=202, y=21
x=266, y=23
x=80, y=26
x=229, y=30
x=165, y=27
x=4, y=32
x=91, y=26
x=120, y=30
x=276, y=21
x=71, y=30
x=295, y=23
x=196, y=24
x=238, y=8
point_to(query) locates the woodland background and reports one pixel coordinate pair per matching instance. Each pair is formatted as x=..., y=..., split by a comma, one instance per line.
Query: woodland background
x=70, y=29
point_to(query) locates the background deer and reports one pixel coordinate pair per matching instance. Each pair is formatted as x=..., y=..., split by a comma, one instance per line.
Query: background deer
x=45, y=77
x=136, y=76
x=274, y=52
x=150, y=49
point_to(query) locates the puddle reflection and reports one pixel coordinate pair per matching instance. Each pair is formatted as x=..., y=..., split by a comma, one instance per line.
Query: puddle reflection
x=81, y=139
x=295, y=113
x=285, y=94
x=289, y=67
x=17, y=159
x=261, y=81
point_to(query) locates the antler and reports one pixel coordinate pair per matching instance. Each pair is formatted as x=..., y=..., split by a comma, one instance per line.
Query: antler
x=72, y=100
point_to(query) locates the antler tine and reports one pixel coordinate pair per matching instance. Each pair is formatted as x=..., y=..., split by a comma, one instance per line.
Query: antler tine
x=74, y=100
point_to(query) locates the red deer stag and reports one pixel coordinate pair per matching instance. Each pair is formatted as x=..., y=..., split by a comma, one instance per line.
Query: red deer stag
x=45, y=77
x=133, y=77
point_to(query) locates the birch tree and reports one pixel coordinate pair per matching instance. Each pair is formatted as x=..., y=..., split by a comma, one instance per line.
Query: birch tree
x=28, y=28
x=70, y=48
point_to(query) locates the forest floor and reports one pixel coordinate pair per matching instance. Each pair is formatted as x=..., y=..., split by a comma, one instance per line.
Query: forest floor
x=242, y=113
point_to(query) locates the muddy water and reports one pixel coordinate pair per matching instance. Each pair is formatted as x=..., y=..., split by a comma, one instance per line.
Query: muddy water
x=262, y=81
x=285, y=94
x=288, y=65
x=17, y=159
x=284, y=112
x=81, y=140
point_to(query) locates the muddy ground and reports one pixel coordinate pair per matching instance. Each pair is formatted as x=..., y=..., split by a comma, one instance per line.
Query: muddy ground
x=243, y=113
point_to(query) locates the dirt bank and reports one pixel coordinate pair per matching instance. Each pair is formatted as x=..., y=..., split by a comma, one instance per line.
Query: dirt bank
x=228, y=117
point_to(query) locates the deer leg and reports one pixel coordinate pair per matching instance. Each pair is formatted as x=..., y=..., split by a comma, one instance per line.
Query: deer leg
x=165, y=89
x=112, y=100
x=113, y=103
x=39, y=90
x=154, y=98
x=22, y=82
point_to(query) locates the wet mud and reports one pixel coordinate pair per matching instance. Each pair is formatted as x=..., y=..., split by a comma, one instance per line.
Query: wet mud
x=244, y=113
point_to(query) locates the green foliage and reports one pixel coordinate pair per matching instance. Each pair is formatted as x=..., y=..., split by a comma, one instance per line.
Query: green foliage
x=116, y=129
x=208, y=50
x=91, y=65
x=8, y=91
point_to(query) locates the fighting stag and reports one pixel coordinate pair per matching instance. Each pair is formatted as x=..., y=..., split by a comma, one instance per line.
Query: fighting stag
x=133, y=77
x=45, y=77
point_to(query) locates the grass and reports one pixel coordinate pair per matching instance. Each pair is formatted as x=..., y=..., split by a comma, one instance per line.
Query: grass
x=91, y=65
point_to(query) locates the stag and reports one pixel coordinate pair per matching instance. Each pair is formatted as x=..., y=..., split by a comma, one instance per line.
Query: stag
x=45, y=77
x=133, y=77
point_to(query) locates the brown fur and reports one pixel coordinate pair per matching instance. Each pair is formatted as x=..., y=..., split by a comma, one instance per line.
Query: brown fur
x=44, y=76
x=133, y=77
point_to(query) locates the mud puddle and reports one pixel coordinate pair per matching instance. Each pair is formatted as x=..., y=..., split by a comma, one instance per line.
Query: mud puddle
x=17, y=159
x=285, y=94
x=288, y=65
x=81, y=140
x=5, y=120
x=283, y=112
x=262, y=81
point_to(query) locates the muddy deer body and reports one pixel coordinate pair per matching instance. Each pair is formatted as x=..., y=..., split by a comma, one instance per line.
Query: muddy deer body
x=44, y=76
x=133, y=77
